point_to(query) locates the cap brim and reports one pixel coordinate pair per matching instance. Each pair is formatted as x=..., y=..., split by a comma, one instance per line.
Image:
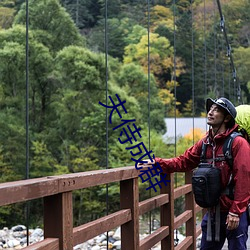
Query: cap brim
x=209, y=103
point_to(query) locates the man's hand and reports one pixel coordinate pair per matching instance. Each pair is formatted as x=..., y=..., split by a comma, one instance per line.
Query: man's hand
x=149, y=162
x=232, y=221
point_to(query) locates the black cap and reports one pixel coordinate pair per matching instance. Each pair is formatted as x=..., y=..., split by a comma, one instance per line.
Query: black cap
x=223, y=103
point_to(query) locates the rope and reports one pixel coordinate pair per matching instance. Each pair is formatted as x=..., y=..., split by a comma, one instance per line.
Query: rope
x=148, y=26
x=27, y=207
x=193, y=94
x=107, y=121
x=77, y=13
x=215, y=50
x=205, y=50
x=229, y=54
x=175, y=108
x=174, y=75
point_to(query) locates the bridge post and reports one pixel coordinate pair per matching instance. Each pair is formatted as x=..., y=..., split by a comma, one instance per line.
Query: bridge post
x=167, y=214
x=129, y=198
x=190, y=205
x=58, y=219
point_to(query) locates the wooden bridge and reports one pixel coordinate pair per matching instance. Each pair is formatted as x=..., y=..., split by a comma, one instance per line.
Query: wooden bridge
x=59, y=233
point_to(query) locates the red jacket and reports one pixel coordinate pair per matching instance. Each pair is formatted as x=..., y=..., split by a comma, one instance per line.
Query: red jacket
x=241, y=167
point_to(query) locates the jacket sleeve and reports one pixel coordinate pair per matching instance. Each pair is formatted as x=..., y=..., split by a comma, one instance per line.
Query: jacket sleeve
x=241, y=175
x=185, y=162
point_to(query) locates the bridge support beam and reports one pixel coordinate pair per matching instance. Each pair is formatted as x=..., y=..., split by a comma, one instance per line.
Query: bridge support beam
x=167, y=214
x=129, y=198
x=190, y=205
x=58, y=219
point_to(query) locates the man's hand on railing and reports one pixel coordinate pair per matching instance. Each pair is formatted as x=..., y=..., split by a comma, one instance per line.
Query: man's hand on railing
x=148, y=163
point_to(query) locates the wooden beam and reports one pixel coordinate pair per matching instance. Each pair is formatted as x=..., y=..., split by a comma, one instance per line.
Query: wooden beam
x=154, y=238
x=190, y=205
x=46, y=244
x=167, y=212
x=152, y=203
x=182, y=218
x=90, y=230
x=94, y=178
x=24, y=190
x=58, y=219
x=185, y=244
x=129, y=197
x=187, y=188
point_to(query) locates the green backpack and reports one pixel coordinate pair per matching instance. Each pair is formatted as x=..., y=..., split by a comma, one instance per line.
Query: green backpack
x=243, y=120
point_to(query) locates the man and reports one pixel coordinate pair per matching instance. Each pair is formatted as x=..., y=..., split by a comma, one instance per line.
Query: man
x=221, y=115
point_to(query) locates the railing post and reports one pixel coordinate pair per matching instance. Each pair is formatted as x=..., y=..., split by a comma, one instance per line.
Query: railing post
x=167, y=214
x=129, y=198
x=190, y=205
x=58, y=219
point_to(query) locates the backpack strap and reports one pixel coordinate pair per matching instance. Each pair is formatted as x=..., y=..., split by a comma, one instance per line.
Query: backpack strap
x=227, y=148
x=203, y=152
x=227, y=151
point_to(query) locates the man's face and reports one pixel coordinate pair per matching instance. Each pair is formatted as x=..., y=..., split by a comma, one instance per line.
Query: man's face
x=215, y=116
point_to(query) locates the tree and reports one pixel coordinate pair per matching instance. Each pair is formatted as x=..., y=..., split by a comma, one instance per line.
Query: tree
x=6, y=17
x=132, y=78
x=53, y=25
x=84, y=13
x=242, y=64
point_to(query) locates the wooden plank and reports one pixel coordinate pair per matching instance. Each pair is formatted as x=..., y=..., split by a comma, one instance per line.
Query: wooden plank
x=185, y=244
x=190, y=205
x=90, y=230
x=129, y=199
x=58, y=219
x=187, y=188
x=154, y=238
x=24, y=190
x=198, y=231
x=46, y=244
x=94, y=178
x=198, y=208
x=166, y=214
x=182, y=218
x=152, y=203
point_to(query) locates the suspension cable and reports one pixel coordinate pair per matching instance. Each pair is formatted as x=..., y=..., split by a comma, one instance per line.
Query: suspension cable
x=215, y=52
x=192, y=76
x=149, y=123
x=229, y=53
x=205, y=50
x=175, y=95
x=27, y=207
x=107, y=121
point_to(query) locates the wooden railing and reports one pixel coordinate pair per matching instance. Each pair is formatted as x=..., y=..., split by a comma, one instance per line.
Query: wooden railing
x=59, y=232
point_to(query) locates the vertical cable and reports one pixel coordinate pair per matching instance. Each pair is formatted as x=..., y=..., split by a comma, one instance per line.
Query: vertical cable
x=77, y=13
x=174, y=76
x=148, y=24
x=106, y=81
x=27, y=207
x=192, y=77
x=215, y=51
x=237, y=87
x=229, y=83
x=205, y=51
x=175, y=95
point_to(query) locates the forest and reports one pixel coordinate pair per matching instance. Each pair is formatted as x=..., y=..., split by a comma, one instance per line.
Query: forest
x=162, y=57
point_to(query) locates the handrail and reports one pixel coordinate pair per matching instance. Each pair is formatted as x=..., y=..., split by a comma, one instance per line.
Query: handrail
x=59, y=233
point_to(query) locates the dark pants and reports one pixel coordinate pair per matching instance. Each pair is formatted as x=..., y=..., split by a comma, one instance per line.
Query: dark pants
x=237, y=238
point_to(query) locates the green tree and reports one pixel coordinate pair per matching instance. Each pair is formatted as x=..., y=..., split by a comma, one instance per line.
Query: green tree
x=53, y=25
x=136, y=83
x=6, y=17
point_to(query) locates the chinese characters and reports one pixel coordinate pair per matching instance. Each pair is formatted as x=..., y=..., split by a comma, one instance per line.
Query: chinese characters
x=130, y=133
